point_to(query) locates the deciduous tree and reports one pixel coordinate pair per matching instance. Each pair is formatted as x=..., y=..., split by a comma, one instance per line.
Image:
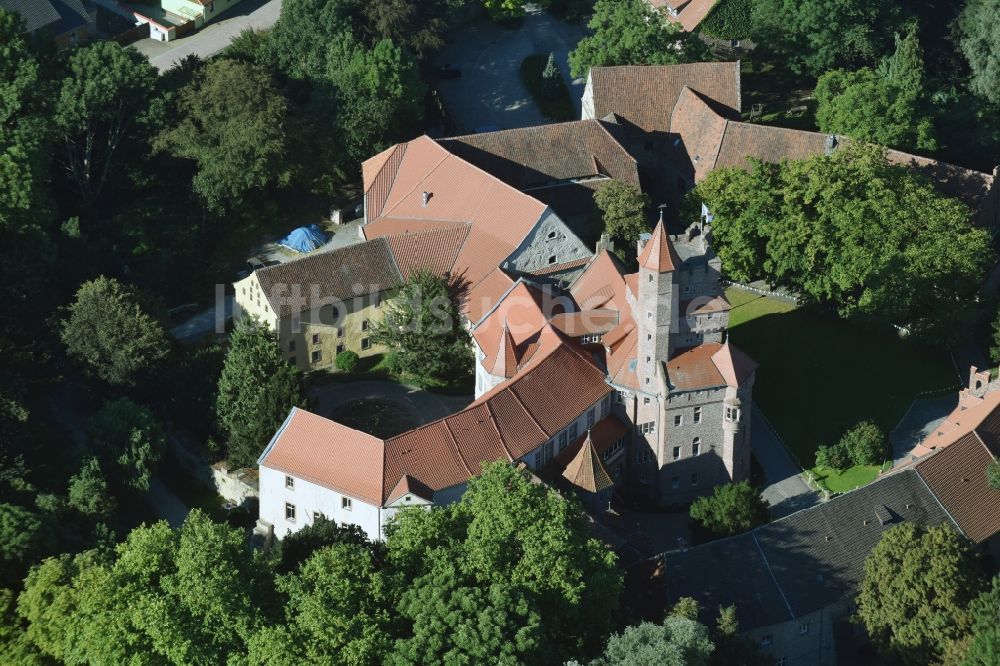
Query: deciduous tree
x=88, y=491
x=257, y=389
x=979, y=41
x=865, y=443
x=915, y=596
x=23, y=538
x=731, y=508
x=235, y=151
x=111, y=332
x=679, y=641
x=631, y=32
x=128, y=437
x=624, y=210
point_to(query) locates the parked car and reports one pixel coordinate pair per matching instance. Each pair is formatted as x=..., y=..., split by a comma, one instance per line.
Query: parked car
x=449, y=71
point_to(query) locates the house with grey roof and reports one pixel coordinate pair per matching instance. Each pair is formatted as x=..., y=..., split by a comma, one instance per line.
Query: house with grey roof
x=66, y=20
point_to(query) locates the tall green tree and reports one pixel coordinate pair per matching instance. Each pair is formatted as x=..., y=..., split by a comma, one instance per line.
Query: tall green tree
x=130, y=439
x=679, y=641
x=299, y=546
x=48, y=603
x=814, y=37
x=979, y=41
x=23, y=538
x=89, y=493
x=257, y=389
x=504, y=10
x=916, y=592
x=423, y=329
x=893, y=250
x=336, y=611
x=110, y=331
x=232, y=124
x=887, y=105
x=511, y=566
x=417, y=25
x=983, y=645
x=107, y=88
x=731, y=508
x=623, y=209
x=631, y=32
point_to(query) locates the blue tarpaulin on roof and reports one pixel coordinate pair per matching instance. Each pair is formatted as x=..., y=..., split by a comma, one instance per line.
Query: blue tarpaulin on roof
x=304, y=239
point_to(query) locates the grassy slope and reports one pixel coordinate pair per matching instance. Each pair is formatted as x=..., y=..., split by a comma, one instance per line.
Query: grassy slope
x=819, y=375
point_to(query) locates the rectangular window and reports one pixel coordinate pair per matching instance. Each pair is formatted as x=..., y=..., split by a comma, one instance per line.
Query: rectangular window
x=697, y=414
x=539, y=459
x=647, y=428
x=590, y=419
x=678, y=420
x=317, y=356
x=289, y=512
x=366, y=344
x=562, y=440
x=346, y=503
x=340, y=349
x=315, y=338
x=694, y=479
x=289, y=482
x=573, y=431
x=613, y=449
x=291, y=345
x=377, y=300
x=677, y=452
x=316, y=516
x=549, y=449
x=364, y=325
x=622, y=397
x=765, y=640
x=340, y=332
x=642, y=456
x=605, y=406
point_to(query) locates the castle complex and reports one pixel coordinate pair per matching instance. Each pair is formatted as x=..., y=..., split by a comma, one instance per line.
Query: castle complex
x=594, y=376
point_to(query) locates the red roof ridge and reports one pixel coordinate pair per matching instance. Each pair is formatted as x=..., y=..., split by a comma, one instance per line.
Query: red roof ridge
x=659, y=254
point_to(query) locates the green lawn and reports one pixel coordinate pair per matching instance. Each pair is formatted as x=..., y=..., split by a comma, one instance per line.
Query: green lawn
x=844, y=480
x=378, y=417
x=820, y=375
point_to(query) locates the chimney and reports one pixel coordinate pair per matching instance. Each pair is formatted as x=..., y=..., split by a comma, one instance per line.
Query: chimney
x=604, y=243
x=427, y=199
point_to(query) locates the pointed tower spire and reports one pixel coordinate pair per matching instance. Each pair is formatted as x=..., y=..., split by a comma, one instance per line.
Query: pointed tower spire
x=659, y=254
x=505, y=363
x=586, y=470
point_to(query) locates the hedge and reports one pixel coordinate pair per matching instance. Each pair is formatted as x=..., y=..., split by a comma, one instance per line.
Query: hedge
x=729, y=19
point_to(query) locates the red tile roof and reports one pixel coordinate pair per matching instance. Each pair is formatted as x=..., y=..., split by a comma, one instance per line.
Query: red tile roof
x=409, y=485
x=659, y=253
x=959, y=423
x=734, y=366
x=602, y=436
x=434, y=250
x=645, y=95
x=694, y=368
x=601, y=284
x=691, y=14
x=532, y=156
x=575, y=324
x=700, y=130
x=957, y=477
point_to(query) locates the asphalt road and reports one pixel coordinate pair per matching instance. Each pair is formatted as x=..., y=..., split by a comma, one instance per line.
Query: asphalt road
x=256, y=14
x=490, y=91
x=786, y=491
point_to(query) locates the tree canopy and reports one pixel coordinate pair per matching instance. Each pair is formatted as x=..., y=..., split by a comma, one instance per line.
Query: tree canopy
x=731, y=508
x=885, y=105
x=110, y=330
x=257, y=389
x=631, y=32
x=623, y=210
x=424, y=332
x=870, y=239
x=128, y=437
x=918, y=584
x=979, y=41
x=679, y=641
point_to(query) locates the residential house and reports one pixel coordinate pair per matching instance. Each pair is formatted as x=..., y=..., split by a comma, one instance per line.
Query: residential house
x=67, y=21
x=199, y=11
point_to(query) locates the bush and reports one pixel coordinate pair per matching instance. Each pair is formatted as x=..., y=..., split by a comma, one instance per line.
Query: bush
x=729, y=19
x=553, y=99
x=993, y=474
x=864, y=444
x=347, y=361
x=833, y=457
x=731, y=508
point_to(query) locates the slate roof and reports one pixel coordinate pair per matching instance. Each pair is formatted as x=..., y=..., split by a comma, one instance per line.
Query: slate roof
x=342, y=274
x=644, y=95
x=533, y=156
x=586, y=470
x=798, y=564
x=36, y=13
x=957, y=477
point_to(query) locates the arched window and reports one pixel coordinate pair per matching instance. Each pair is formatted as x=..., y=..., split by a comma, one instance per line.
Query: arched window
x=696, y=446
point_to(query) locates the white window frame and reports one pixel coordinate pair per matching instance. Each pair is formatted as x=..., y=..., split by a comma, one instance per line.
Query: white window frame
x=289, y=482
x=289, y=512
x=346, y=503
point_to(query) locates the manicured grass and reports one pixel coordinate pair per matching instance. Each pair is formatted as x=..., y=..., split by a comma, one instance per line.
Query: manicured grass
x=557, y=106
x=845, y=480
x=820, y=375
x=378, y=417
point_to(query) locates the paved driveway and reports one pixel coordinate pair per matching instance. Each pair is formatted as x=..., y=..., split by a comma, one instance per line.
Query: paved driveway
x=490, y=91
x=920, y=420
x=786, y=492
x=256, y=14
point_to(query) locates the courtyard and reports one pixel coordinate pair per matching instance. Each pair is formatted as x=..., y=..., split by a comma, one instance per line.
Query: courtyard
x=490, y=92
x=820, y=375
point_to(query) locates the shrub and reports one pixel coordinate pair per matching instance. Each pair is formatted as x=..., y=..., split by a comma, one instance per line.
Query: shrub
x=729, y=19
x=731, y=508
x=865, y=444
x=993, y=474
x=347, y=361
x=551, y=95
x=833, y=457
